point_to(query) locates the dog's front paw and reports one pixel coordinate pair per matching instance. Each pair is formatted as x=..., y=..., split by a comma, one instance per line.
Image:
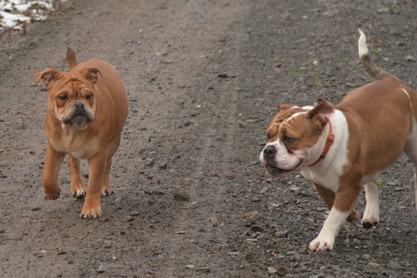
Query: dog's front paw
x=52, y=193
x=78, y=192
x=321, y=243
x=91, y=208
x=78, y=189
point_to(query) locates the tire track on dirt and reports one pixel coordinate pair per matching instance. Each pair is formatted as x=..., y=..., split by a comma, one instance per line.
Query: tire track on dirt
x=213, y=94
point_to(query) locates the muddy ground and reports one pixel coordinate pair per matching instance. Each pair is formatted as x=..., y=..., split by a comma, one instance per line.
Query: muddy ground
x=191, y=200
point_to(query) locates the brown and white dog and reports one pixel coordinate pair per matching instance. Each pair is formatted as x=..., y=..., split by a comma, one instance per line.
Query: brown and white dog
x=342, y=148
x=87, y=109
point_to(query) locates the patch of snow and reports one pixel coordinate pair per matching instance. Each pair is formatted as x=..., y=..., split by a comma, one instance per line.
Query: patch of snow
x=15, y=13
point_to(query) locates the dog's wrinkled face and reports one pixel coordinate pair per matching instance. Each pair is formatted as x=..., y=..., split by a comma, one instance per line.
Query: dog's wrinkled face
x=293, y=137
x=74, y=104
x=70, y=96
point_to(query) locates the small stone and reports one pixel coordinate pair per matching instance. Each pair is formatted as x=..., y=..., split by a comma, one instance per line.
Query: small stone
x=257, y=229
x=295, y=188
x=148, y=162
x=181, y=196
x=163, y=165
x=242, y=124
x=282, y=271
x=107, y=244
x=229, y=175
x=255, y=199
x=190, y=266
x=166, y=62
x=213, y=219
x=253, y=215
x=394, y=265
x=203, y=269
x=411, y=58
x=129, y=218
x=272, y=270
x=372, y=265
x=36, y=209
x=134, y=213
x=366, y=257
x=101, y=269
x=281, y=233
x=264, y=190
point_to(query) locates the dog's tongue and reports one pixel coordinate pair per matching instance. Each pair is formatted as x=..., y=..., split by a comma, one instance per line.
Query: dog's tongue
x=79, y=122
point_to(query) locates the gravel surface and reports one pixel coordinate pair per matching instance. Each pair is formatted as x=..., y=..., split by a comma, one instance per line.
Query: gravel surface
x=204, y=79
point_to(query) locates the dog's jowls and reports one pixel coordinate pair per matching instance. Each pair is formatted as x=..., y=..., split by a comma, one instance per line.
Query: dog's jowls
x=87, y=109
x=343, y=148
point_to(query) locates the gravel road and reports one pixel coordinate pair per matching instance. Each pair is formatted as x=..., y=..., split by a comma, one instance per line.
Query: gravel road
x=204, y=79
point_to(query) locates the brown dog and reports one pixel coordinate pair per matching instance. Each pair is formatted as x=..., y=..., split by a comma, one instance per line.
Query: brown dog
x=343, y=148
x=87, y=109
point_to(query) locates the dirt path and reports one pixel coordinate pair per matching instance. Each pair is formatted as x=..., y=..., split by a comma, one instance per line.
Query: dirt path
x=191, y=200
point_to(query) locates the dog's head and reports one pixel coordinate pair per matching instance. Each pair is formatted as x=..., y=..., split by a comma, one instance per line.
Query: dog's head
x=293, y=137
x=71, y=95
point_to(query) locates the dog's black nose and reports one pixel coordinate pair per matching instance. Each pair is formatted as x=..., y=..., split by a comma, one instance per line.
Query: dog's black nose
x=270, y=151
x=78, y=107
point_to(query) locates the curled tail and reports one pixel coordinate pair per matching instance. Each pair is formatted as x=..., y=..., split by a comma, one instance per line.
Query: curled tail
x=72, y=61
x=373, y=70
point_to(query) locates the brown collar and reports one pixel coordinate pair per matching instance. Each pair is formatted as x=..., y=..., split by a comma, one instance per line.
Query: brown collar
x=329, y=142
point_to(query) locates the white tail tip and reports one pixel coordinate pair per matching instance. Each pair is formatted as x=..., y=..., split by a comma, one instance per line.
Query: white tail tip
x=362, y=48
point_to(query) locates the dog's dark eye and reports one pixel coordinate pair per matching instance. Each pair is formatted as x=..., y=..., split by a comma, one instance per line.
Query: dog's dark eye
x=287, y=140
x=88, y=97
x=63, y=97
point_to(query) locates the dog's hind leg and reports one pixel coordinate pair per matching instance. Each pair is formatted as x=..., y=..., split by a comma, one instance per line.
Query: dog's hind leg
x=105, y=188
x=371, y=215
x=413, y=158
x=411, y=151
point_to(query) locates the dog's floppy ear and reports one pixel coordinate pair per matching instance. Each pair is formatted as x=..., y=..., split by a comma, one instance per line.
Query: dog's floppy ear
x=92, y=74
x=48, y=76
x=320, y=109
x=283, y=107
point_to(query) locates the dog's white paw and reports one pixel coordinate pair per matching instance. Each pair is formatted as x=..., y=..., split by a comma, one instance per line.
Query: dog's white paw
x=371, y=214
x=322, y=243
x=370, y=219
